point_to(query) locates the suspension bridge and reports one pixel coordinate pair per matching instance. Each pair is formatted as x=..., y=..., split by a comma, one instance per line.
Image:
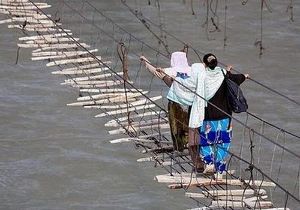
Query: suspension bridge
x=106, y=82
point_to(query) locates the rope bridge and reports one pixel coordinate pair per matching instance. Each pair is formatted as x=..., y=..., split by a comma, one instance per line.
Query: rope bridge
x=107, y=82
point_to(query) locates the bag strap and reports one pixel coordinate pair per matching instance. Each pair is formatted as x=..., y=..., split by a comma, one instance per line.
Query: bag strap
x=223, y=73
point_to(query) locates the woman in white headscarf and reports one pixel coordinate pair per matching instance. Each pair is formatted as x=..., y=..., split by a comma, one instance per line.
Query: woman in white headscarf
x=178, y=110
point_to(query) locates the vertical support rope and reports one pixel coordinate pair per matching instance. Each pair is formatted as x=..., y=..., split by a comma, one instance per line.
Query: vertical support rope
x=122, y=53
x=225, y=24
x=291, y=9
x=17, y=56
x=261, y=48
x=192, y=7
x=124, y=79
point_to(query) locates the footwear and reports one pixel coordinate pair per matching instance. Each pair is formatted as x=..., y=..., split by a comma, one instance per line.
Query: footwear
x=210, y=169
x=218, y=176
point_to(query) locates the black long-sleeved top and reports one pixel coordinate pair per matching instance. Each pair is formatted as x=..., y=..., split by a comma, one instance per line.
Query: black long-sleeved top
x=220, y=99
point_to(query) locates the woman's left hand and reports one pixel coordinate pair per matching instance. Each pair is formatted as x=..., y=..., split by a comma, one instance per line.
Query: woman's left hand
x=229, y=68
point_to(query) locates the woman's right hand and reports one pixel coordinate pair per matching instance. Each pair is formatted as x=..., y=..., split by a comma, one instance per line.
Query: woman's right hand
x=144, y=59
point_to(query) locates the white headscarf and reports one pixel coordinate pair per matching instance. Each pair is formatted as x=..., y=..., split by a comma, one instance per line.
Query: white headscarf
x=179, y=63
x=207, y=85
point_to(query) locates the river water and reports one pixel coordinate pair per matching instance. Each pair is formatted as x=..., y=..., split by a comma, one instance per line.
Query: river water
x=56, y=157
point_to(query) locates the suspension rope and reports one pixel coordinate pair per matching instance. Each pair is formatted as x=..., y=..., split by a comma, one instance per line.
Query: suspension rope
x=112, y=70
x=131, y=85
x=185, y=43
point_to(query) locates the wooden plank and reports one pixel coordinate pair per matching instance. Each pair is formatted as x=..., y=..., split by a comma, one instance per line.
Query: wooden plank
x=150, y=159
x=191, y=174
x=16, y=1
x=100, y=76
x=159, y=149
x=102, y=101
x=136, y=103
x=100, y=96
x=158, y=135
x=105, y=84
x=204, y=181
x=5, y=21
x=27, y=38
x=63, y=46
x=217, y=193
x=122, y=111
x=94, y=77
x=84, y=66
x=219, y=182
x=277, y=209
x=140, y=124
x=50, y=41
x=30, y=8
x=53, y=46
x=90, y=82
x=109, y=90
x=41, y=20
x=21, y=13
x=32, y=29
x=162, y=157
x=13, y=3
x=115, y=122
x=126, y=140
x=83, y=71
x=63, y=55
x=76, y=60
x=239, y=204
x=144, y=122
x=56, y=53
x=106, y=95
x=135, y=129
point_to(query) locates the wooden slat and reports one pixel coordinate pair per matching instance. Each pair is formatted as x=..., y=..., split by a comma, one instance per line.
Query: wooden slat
x=115, y=123
x=106, y=95
x=138, y=128
x=129, y=109
x=50, y=41
x=51, y=46
x=63, y=55
x=30, y=8
x=217, y=193
x=204, y=181
x=62, y=46
x=5, y=21
x=122, y=111
x=75, y=60
x=83, y=71
x=136, y=103
x=103, y=85
x=239, y=204
x=27, y=38
x=94, y=77
x=42, y=20
x=126, y=140
x=102, y=101
x=108, y=90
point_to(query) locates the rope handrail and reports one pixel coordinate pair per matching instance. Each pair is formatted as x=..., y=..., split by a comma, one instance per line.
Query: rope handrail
x=143, y=18
x=98, y=60
x=186, y=45
x=130, y=84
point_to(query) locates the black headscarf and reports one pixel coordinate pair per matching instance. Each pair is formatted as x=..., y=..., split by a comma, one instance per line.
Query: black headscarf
x=210, y=61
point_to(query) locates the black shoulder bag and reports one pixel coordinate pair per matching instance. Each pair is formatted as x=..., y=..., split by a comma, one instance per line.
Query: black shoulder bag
x=237, y=101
